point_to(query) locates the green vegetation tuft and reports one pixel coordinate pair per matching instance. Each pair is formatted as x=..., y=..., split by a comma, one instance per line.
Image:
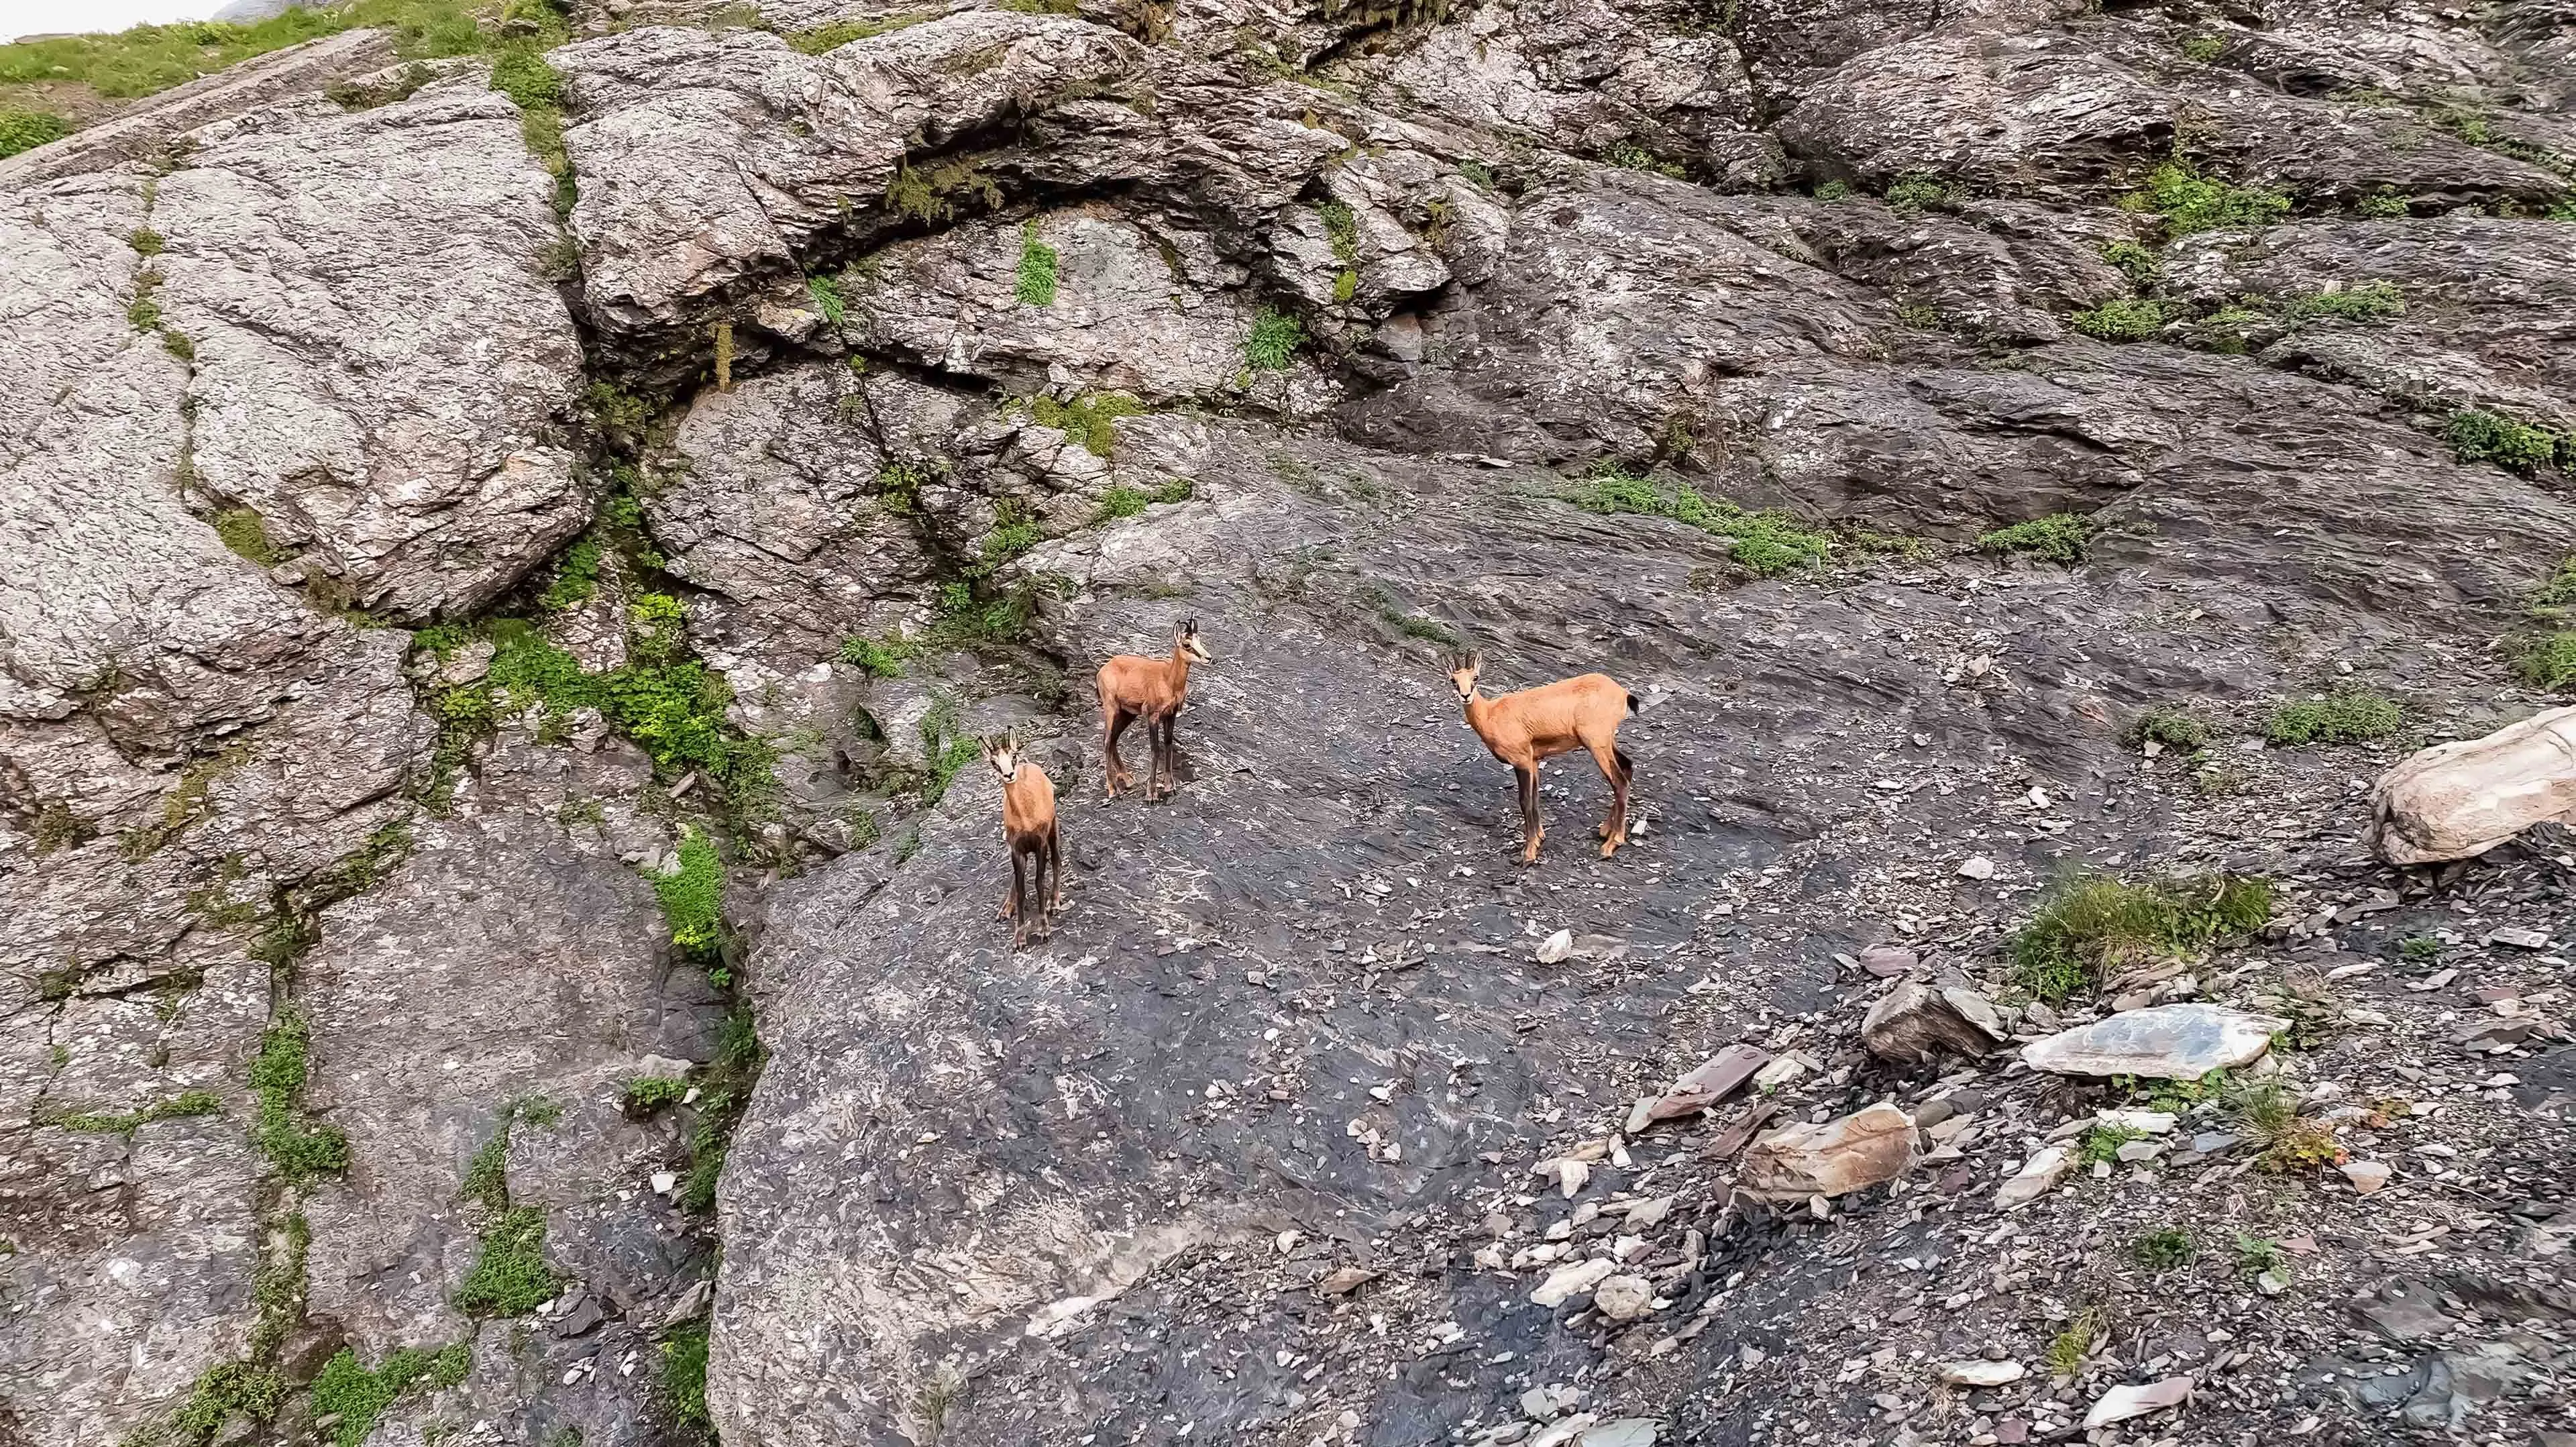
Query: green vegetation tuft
x=841, y=32
x=1766, y=544
x=357, y=1396
x=2101, y=1144
x=510, y=1276
x=25, y=130
x=684, y=1376
x=2419, y=949
x=576, y=577
x=143, y=59
x=2370, y=301
x=276, y=1078
x=2169, y=728
x=2068, y=1350
x=2547, y=660
x=222, y=1392
x=2255, y=1256
x=2122, y=319
x=2347, y=716
x=2133, y=261
x=2204, y=48
x=529, y=82
x=2094, y=926
x=1629, y=155
x=932, y=195
x=1035, y=282
x=186, y=1103
x=882, y=658
x=648, y=1094
x=2188, y=201
x=693, y=896
x=2057, y=538
x=1274, y=340
x=1120, y=501
x=1916, y=193
x=2383, y=204
x=1087, y=418
x=724, y=1090
x=1834, y=191
x=2165, y=1249
x=2477, y=435
x=146, y=241
x=244, y=531
x=826, y=294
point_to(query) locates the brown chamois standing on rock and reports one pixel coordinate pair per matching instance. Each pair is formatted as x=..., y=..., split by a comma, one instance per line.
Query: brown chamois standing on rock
x=1151, y=689
x=1028, y=827
x=1539, y=723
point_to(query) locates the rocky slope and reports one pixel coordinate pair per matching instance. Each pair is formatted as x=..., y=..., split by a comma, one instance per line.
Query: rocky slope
x=507, y=565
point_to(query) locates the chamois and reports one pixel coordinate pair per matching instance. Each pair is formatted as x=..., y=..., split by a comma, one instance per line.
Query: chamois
x=1028, y=827
x=1151, y=689
x=1539, y=723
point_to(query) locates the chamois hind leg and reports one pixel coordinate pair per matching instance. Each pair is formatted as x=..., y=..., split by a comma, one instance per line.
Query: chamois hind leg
x=1171, y=753
x=1016, y=910
x=1615, y=768
x=1531, y=830
x=1055, y=870
x=1043, y=912
x=1117, y=720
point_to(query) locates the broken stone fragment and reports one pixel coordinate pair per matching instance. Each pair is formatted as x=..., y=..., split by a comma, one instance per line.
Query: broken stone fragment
x=1624, y=1298
x=2459, y=800
x=1711, y=1081
x=2037, y=1178
x=1869, y=1148
x=2366, y=1176
x=1568, y=1282
x=1981, y=1373
x=1345, y=1281
x=2166, y=1042
x=1915, y=1023
x=2121, y=1403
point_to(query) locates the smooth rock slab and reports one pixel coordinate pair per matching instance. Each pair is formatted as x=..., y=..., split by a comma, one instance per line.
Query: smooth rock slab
x=1869, y=1148
x=1568, y=1282
x=2459, y=800
x=2121, y=1403
x=1981, y=1373
x=2037, y=1178
x=2164, y=1042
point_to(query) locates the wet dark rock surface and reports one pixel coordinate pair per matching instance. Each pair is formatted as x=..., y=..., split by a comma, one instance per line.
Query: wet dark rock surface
x=889, y=388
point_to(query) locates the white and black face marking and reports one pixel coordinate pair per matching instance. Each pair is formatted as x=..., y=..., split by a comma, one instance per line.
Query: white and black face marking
x=1191, y=645
x=1463, y=669
x=1004, y=757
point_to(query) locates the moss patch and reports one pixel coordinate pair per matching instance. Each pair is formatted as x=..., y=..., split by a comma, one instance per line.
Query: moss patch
x=186, y=1103
x=1034, y=282
x=692, y=896
x=2186, y=201
x=2349, y=716
x=684, y=1376
x=2057, y=538
x=347, y=1389
x=1765, y=544
x=244, y=531
x=277, y=1076
x=1088, y=419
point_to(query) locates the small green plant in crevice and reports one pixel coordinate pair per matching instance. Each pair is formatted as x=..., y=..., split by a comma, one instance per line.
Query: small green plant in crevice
x=841, y=32
x=2101, y=1144
x=537, y=89
x=25, y=130
x=221, y=1393
x=878, y=657
x=1765, y=544
x=1034, y=283
x=1630, y=156
x=2187, y=201
x=1088, y=419
x=277, y=1077
x=2383, y=204
x=933, y=194
x=244, y=531
x=1273, y=342
x=2166, y=728
x=2419, y=949
x=2057, y=538
x=2094, y=926
x=684, y=1377
x=186, y=1103
x=2368, y=301
x=510, y=1276
x=2556, y=593
x=2203, y=48
x=1833, y=191
x=2477, y=435
x=616, y=410
x=576, y=576
x=2122, y=319
x=2257, y=1257
x=1342, y=230
x=1913, y=194
x=2167, y=1248
x=2133, y=261
x=947, y=748
x=1016, y=529
x=2547, y=660
x=724, y=1090
x=2347, y=716
x=2231, y=330
x=647, y=1095
x=346, y=1389
x=692, y=896
x=825, y=293
x=2068, y=1350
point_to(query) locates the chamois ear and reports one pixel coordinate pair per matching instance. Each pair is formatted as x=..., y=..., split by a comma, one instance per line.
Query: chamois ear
x=1476, y=661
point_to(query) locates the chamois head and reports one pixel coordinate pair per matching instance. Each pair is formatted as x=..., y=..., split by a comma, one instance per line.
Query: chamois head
x=1463, y=668
x=1187, y=641
x=1003, y=755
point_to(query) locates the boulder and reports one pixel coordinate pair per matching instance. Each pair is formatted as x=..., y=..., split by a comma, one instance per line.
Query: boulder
x=2166, y=1042
x=1869, y=1148
x=1914, y=1023
x=2461, y=799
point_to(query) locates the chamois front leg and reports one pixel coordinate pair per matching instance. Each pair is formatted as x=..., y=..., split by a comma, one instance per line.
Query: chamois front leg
x=1055, y=871
x=1012, y=908
x=1615, y=769
x=1117, y=720
x=1531, y=830
x=1171, y=753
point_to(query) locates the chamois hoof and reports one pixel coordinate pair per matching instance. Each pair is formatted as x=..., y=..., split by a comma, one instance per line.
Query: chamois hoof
x=1610, y=847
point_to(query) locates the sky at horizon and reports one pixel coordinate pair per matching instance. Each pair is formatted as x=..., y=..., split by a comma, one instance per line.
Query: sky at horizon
x=53, y=17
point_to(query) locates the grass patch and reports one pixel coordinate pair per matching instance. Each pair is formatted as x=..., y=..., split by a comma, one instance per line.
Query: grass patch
x=2101, y=1144
x=186, y=1103
x=2547, y=660
x=841, y=32
x=2068, y=1349
x=724, y=1091
x=649, y=1094
x=2419, y=949
x=684, y=1377
x=2094, y=926
x=2057, y=538
x=2371, y=301
x=2187, y=201
x=1035, y=281
x=1912, y=195
x=1342, y=229
x=2348, y=716
x=2122, y=319
x=1273, y=342
x=1628, y=155
x=1087, y=419
x=2203, y=48
x=510, y=1276
x=25, y=130
x=880, y=658
x=244, y=531
x=145, y=59
x=2169, y=728
x=1765, y=544
x=2267, y=1116
x=2168, y=1248
x=2477, y=435
x=826, y=296
x=692, y=896
x=357, y=1396
x=277, y=1077
x=576, y=577
x=2383, y=205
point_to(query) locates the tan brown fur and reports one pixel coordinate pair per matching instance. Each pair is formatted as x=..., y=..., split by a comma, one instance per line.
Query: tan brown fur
x=1152, y=689
x=1527, y=728
x=1029, y=829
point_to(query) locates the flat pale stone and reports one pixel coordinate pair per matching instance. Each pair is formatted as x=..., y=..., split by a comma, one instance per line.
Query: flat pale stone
x=2166, y=1042
x=2366, y=1176
x=2121, y=1403
x=2036, y=1178
x=1981, y=1373
x=1868, y=1148
x=1568, y=1282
